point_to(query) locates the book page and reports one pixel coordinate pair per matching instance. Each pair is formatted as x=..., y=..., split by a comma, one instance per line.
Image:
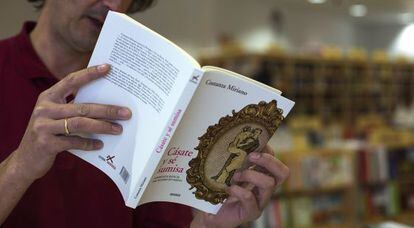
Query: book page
x=213, y=124
x=148, y=74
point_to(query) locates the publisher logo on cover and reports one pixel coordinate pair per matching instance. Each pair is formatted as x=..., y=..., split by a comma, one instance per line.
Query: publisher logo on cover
x=195, y=79
x=109, y=160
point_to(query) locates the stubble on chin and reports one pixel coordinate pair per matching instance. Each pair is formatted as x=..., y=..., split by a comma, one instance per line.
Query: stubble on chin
x=82, y=37
x=83, y=32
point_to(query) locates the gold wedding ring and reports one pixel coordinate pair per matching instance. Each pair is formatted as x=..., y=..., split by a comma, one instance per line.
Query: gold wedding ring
x=67, y=132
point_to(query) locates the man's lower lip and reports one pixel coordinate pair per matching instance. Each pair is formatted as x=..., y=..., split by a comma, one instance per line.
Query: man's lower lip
x=95, y=22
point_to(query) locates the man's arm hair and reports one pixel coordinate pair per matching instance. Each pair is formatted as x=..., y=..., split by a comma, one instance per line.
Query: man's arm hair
x=12, y=186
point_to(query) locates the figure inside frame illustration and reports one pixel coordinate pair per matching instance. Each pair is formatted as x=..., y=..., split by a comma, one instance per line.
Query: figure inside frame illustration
x=246, y=141
x=224, y=147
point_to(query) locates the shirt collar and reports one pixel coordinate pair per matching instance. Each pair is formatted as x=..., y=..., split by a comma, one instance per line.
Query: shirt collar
x=30, y=64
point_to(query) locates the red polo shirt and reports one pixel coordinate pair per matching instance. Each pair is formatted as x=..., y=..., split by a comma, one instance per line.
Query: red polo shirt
x=73, y=193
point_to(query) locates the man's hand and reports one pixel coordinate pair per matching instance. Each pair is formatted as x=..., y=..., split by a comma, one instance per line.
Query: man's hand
x=246, y=204
x=46, y=134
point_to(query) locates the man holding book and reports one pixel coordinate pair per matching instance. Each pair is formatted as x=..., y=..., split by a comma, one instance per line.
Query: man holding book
x=41, y=186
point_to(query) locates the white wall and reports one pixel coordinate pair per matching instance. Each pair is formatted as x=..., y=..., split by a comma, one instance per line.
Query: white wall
x=304, y=29
x=374, y=36
x=12, y=15
x=189, y=23
x=196, y=24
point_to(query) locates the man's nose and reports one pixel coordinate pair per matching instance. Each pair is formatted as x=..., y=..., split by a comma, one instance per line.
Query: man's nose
x=117, y=5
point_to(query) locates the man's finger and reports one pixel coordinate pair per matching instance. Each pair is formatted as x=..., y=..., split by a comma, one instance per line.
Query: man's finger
x=78, y=143
x=263, y=182
x=84, y=125
x=256, y=178
x=248, y=202
x=74, y=81
x=95, y=111
x=276, y=168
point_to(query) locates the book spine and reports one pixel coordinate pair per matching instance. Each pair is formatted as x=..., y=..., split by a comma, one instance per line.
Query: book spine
x=174, y=120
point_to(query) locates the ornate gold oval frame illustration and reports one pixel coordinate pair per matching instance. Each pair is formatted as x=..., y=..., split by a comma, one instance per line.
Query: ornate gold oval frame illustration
x=226, y=145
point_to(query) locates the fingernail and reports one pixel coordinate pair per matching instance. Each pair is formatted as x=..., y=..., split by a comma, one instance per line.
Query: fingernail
x=98, y=144
x=103, y=67
x=124, y=112
x=117, y=128
x=254, y=156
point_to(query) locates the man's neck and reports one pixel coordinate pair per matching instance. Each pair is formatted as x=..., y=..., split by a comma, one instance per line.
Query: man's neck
x=56, y=54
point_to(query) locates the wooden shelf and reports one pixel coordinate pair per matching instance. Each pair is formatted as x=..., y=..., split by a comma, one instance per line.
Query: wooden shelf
x=404, y=218
x=313, y=192
x=406, y=181
x=334, y=225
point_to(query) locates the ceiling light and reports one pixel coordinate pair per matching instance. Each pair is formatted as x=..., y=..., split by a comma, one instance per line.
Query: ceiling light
x=358, y=10
x=316, y=1
x=403, y=44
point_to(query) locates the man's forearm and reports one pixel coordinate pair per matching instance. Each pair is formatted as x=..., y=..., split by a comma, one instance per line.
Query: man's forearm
x=12, y=186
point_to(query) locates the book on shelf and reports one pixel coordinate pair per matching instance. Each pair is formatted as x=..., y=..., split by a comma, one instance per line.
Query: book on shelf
x=386, y=178
x=375, y=165
x=315, y=171
x=381, y=201
x=278, y=214
x=192, y=127
x=275, y=214
x=306, y=211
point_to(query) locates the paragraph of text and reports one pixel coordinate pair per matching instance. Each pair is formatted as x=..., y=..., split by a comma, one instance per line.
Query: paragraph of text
x=145, y=62
x=136, y=88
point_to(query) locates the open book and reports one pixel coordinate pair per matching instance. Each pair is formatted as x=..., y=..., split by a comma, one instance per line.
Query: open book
x=191, y=127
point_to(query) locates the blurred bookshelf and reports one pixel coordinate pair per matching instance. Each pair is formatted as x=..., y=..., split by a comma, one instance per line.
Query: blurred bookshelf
x=334, y=89
x=349, y=141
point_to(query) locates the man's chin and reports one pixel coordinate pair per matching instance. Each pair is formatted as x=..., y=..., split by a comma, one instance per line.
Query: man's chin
x=86, y=35
x=86, y=44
